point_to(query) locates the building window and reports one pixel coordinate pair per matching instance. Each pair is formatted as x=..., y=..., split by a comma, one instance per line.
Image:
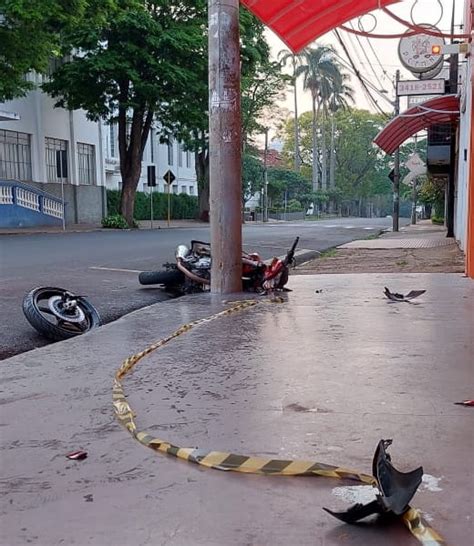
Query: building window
x=113, y=140
x=191, y=190
x=180, y=155
x=170, y=152
x=15, y=155
x=183, y=189
x=188, y=159
x=175, y=188
x=86, y=159
x=56, y=160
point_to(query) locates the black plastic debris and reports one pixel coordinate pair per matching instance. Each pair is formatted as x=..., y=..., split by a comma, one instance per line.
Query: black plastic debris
x=465, y=403
x=395, y=296
x=77, y=455
x=396, y=489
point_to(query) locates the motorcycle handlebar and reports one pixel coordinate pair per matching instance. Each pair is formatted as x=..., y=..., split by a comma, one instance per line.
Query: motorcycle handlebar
x=291, y=253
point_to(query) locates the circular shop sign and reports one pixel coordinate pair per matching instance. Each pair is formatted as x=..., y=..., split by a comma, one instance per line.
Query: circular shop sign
x=415, y=52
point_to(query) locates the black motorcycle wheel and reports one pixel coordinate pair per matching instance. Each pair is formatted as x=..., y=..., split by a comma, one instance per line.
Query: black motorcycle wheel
x=51, y=321
x=168, y=278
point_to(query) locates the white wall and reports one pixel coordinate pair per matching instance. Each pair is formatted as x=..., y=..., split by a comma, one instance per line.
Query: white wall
x=185, y=176
x=464, y=154
x=40, y=119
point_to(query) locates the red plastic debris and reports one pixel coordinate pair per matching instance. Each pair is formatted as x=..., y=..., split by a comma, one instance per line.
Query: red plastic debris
x=77, y=455
x=465, y=403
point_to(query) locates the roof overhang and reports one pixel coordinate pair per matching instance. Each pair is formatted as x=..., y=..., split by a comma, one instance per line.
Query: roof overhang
x=443, y=109
x=299, y=22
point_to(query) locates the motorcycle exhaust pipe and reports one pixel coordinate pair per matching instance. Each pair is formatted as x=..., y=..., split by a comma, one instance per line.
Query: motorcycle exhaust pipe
x=190, y=275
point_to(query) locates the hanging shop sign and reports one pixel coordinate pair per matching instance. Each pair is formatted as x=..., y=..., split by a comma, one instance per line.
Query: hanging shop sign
x=416, y=52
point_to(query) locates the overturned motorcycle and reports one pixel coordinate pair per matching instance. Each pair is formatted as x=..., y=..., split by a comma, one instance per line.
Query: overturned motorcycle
x=58, y=313
x=192, y=270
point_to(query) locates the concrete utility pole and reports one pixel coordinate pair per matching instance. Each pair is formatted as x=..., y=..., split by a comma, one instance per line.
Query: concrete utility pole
x=225, y=146
x=396, y=166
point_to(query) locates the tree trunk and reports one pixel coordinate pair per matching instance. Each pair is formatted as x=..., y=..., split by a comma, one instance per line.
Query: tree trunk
x=131, y=154
x=297, y=131
x=332, y=157
x=315, y=177
x=324, y=172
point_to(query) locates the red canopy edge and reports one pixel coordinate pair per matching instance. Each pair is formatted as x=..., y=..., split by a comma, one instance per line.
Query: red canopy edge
x=443, y=109
x=299, y=22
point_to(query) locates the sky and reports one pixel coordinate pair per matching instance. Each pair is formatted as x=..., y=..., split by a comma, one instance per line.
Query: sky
x=380, y=72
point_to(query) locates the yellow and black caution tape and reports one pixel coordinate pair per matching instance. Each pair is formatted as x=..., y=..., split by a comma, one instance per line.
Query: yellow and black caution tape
x=221, y=460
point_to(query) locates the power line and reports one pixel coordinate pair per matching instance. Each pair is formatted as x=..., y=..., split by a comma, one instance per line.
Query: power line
x=366, y=56
x=365, y=84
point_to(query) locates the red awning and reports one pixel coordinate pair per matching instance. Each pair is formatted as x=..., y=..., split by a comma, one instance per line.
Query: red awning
x=443, y=109
x=299, y=22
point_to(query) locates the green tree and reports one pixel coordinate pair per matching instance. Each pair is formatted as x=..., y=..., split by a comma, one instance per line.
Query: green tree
x=285, y=56
x=287, y=182
x=136, y=64
x=361, y=174
x=252, y=174
x=319, y=67
x=30, y=35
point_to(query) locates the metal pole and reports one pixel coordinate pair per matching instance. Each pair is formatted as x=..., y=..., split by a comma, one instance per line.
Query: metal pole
x=396, y=166
x=414, y=197
x=169, y=204
x=450, y=188
x=225, y=146
x=64, y=204
x=265, y=178
x=151, y=208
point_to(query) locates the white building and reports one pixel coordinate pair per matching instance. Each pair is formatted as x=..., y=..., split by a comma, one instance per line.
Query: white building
x=165, y=157
x=35, y=137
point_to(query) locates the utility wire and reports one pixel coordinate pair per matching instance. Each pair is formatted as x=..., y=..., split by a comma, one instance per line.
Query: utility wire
x=362, y=80
x=384, y=72
x=366, y=56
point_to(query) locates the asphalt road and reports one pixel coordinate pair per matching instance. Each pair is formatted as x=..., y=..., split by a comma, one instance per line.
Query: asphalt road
x=103, y=265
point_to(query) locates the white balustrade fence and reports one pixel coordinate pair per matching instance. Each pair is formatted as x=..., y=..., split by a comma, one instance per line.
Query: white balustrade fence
x=6, y=195
x=52, y=207
x=27, y=199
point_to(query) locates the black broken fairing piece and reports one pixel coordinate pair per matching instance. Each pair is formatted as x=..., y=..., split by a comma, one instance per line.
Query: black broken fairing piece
x=395, y=296
x=396, y=489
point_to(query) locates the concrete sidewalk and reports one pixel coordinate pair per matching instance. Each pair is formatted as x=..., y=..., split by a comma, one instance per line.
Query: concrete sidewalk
x=323, y=376
x=421, y=235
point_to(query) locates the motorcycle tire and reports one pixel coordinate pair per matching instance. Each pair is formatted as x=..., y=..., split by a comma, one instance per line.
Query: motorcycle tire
x=168, y=278
x=50, y=325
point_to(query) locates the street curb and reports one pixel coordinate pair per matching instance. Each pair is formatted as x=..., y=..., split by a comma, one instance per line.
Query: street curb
x=301, y=256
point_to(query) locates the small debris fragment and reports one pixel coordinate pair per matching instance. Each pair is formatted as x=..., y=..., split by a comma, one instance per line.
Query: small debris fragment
x=318, y=291
x=465, y=403
x=77, y=455
x=394, y=296
x=89, y=498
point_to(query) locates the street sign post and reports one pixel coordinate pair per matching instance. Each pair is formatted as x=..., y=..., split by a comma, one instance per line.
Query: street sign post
x=169, y=178
x=151, y=182
x=61, y=173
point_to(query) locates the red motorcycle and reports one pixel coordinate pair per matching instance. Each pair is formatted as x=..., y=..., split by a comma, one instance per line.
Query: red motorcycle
x=192, y=270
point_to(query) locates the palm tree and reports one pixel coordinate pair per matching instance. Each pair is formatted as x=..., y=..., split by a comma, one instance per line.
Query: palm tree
x=285, y=56
x=340, y=96
x=318, y=69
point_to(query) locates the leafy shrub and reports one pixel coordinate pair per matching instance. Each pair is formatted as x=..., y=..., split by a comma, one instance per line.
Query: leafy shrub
x=294, y=205
x=114, y=221
x=437, y=219
x=183, y=206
